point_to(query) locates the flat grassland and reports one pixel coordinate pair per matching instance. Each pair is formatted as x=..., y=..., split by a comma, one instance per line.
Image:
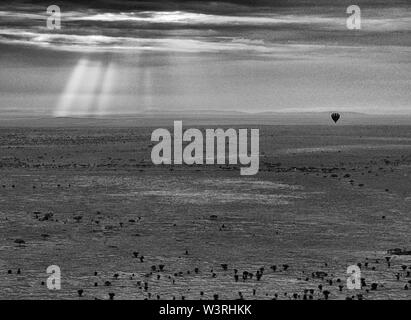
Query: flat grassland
x=89, y=200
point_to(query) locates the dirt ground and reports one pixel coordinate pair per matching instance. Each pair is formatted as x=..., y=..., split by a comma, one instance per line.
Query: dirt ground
x=90, y=201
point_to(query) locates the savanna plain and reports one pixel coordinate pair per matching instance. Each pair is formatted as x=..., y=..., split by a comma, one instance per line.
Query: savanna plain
x=89, y=200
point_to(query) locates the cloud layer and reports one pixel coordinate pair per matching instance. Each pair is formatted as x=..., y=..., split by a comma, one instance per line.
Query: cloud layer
x=261, y=28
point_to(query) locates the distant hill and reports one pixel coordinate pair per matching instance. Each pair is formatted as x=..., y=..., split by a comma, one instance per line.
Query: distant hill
x=209, y=117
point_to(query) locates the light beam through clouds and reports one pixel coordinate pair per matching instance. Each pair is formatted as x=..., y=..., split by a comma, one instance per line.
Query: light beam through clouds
x=88, y=91
x=69, y=95
x=105, y=96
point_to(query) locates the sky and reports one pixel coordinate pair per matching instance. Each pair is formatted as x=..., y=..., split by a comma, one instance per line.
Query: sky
x=128, y=57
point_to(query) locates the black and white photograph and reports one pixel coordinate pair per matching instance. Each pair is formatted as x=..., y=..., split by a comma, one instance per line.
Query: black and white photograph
x=237, y=150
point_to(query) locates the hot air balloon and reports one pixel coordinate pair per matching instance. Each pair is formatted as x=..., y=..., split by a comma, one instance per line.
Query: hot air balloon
x=335, y=116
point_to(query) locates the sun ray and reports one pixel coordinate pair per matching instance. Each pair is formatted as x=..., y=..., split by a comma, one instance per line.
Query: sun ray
x=87, y=92
x=147, y=88
x=106, y=91
x=69, y=94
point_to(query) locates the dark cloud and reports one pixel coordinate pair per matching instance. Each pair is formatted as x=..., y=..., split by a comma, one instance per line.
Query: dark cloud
x=129, y=23
x=226, y=7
